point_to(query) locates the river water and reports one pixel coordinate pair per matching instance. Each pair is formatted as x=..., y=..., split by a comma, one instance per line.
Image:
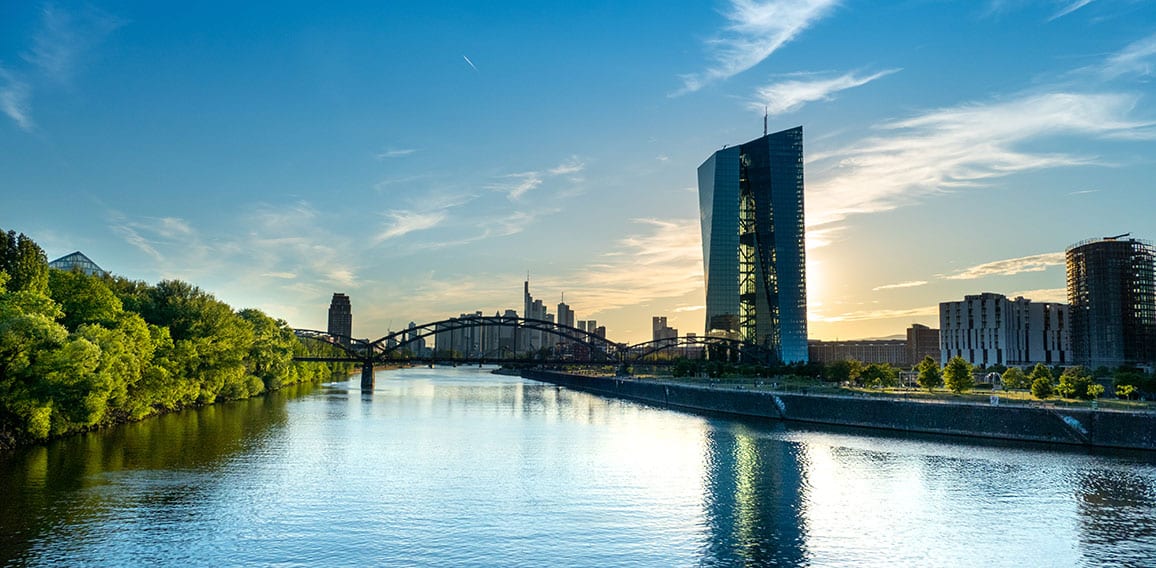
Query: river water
x=460, y=467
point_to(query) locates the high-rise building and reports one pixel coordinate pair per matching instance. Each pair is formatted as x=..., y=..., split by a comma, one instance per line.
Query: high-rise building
x=341, y=318
x=662, y=332
x=989, y=329
x=1113, y=302
x=754, y=258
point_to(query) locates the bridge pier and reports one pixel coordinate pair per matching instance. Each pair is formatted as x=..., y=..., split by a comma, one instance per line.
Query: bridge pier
x=367, y=375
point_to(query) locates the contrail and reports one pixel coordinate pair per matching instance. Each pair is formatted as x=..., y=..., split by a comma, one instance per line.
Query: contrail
x=470, y=62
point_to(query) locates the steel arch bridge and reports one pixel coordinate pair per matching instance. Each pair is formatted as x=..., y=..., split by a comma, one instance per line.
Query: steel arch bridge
x=399, y=346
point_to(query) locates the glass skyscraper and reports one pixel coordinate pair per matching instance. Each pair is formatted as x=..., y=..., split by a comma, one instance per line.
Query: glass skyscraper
x=751, y=208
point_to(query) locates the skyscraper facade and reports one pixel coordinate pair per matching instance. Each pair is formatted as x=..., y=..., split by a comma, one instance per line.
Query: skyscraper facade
x=754, y=258
x=341, y=317
x=1112, y=300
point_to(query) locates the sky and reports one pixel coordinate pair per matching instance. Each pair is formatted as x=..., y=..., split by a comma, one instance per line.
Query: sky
x=424, y=158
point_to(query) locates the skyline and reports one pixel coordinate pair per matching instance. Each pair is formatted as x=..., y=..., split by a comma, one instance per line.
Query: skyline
x=422, y=159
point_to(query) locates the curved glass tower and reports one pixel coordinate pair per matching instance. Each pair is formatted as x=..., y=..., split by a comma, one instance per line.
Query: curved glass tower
x=751, y=208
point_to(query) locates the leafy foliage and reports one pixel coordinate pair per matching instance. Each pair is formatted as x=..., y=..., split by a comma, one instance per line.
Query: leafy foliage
x=80, y=351
x=844, y=371
x=1042, y=388
x=957, y=375
x=879, y=375
x=929, y=373
x=1075, y=382
x=1014, y=379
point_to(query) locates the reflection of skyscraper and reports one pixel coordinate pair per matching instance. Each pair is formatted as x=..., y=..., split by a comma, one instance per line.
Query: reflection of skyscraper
x=341, y=317
x=754, y=500
x=751, y=207
x=1112, y=300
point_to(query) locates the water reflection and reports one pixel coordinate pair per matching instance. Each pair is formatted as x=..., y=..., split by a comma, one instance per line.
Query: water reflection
x=1117, y=517
x=459, y=467
x=753, y=497
x=52, y=489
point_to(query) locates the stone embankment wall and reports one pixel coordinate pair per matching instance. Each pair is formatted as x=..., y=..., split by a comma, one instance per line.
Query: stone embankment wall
x=1029, y=423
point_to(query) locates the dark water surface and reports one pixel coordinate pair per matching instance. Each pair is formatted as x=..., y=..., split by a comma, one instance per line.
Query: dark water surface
x=458, y=467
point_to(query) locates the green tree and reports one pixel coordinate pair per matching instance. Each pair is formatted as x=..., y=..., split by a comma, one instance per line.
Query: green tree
x=1074, y=383
x=1095, y=390
x=84, y=299
x=1042, y=388
x=846, y=371
x=24, y=263
x=1041, y=371
x=957, y=375
x=930, y=376
x=879, y=375
x=1125, y=391
x=1014, y=379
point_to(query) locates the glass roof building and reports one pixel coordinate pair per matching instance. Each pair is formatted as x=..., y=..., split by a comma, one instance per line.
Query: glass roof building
x=77, y=261
x=754, y=259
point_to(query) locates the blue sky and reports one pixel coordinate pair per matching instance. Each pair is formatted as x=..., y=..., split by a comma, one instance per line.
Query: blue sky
x=423, y=158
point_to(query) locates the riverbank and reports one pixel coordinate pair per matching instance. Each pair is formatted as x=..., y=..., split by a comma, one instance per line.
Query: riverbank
x=1072, y=426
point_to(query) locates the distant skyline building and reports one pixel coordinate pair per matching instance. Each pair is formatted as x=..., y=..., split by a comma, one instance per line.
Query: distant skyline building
x=922, y=341
x=77, y=261
x=659, y=331
x=341, y=317
x=1112, y=296
x=754, y=254
x=890, y=351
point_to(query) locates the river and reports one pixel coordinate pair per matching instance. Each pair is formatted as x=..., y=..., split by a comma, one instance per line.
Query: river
x=460, y=467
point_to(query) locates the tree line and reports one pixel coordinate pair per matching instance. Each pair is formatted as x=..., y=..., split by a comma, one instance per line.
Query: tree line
x=957, y=376
x=79, y=352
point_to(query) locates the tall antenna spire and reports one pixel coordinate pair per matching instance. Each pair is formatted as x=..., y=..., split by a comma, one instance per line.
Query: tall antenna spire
x=765, y=111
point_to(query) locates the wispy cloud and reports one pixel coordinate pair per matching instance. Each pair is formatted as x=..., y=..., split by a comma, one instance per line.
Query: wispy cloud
x=755, y=31
x=870, y=315
x=682, y=309
x=403, y=222
x=960, y=147
x=14, y=99
x=571, y=166
x=518, y=184
x=65, y=36
x=1008, y=267
x=1043, y=295
x=59, y=44
x=1135, y=59
x=791, y=95
x=1071, y=6
x=663, y=260
x=908, y=284
x=395, y=153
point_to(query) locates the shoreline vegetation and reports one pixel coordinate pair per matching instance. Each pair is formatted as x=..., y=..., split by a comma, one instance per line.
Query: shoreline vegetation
x=80, y=352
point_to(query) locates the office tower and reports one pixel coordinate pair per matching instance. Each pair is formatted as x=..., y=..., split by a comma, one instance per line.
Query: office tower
x=341, y=318
x=662, y=332
x=751, y=207
x=1113, y=302
x=565, y=315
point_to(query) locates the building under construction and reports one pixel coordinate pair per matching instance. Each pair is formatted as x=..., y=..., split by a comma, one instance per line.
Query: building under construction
x=1112, y=299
